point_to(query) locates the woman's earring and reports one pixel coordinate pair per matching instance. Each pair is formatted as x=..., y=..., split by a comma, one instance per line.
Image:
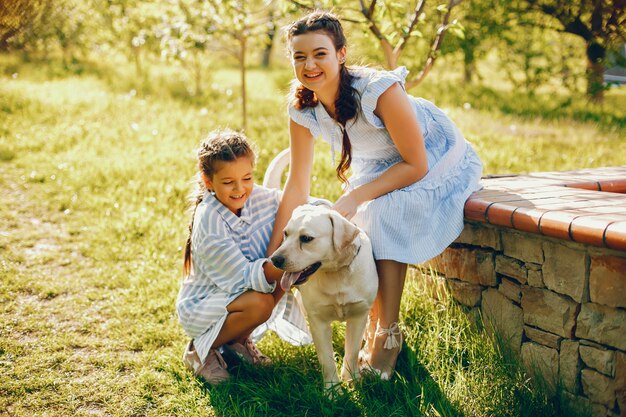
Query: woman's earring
x=211, y=192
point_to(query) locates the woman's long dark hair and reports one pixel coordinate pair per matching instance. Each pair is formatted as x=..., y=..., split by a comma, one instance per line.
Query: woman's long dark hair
x=347, y=105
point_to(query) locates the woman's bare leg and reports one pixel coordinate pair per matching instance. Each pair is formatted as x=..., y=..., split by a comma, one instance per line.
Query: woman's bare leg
x=391, y=275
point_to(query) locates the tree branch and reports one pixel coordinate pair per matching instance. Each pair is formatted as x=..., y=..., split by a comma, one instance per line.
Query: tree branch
x=416, y=14
x=436, y=45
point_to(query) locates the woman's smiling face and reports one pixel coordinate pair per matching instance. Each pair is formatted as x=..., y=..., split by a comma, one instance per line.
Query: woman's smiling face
x=316, y=62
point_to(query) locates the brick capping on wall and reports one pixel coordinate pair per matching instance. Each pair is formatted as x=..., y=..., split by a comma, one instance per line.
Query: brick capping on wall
x=542, y=258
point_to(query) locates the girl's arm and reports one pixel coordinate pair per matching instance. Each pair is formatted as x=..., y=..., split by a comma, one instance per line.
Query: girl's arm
x=298, y=185
x=398, y=116
x=227, y=267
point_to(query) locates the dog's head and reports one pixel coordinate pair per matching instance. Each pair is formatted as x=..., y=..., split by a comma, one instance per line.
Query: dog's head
x=315, y=237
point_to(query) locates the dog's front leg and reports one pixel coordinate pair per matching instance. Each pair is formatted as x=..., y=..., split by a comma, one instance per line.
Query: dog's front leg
x=323, y=339
x=355, y=326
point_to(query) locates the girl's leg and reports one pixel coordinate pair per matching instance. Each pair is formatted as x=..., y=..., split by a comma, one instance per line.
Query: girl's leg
x=391, y=275
x=245, y=314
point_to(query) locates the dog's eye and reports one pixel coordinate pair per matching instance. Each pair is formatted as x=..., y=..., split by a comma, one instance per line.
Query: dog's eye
x=305, y=239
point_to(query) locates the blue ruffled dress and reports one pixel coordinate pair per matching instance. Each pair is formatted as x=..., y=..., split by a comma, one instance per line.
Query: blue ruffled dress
x=415, y=223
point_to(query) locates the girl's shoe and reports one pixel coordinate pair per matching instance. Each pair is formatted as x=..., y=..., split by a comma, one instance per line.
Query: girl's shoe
x=213, y=370
x=393, y=341
x=248, y=352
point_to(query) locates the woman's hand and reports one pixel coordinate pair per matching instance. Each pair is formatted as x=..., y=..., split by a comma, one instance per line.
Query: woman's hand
x=348, y=204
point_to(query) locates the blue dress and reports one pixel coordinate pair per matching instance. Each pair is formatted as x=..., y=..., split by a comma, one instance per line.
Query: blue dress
x=415, y=223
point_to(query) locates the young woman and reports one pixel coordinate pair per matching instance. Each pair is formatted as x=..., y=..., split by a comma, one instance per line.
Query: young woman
x=412, y=170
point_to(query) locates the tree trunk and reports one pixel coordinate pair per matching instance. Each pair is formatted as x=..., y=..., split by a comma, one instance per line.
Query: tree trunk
x=267, y=51
x=469, y=65
x=595, y=72
x=595, y=81
x=242, y=71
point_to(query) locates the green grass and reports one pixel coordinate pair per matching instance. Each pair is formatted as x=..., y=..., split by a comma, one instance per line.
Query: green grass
x=94, y=180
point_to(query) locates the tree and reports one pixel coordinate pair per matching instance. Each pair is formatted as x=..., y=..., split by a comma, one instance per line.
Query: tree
x=186, y=33
x=240, y=25
x=130, y=27
x=600, y=23
x=36, y=25
x=484, y=22
x=396, y=25
x=15, y=15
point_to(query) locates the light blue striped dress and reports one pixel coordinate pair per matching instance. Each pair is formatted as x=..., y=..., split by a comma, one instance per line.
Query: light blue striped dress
x=228, y=253
x=415, y=223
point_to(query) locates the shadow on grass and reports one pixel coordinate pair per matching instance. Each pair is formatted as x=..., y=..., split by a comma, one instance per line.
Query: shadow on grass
x=294, y=388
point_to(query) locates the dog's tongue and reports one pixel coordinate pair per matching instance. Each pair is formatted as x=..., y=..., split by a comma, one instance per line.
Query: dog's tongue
x=288, y=279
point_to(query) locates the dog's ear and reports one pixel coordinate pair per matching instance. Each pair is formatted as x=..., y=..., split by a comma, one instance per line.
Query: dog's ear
x=344, y=232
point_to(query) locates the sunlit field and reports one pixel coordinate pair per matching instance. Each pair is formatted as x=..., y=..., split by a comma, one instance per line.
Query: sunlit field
x=95, y=169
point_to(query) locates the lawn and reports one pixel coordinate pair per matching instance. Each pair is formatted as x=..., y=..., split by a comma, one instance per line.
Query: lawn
x=95, y=169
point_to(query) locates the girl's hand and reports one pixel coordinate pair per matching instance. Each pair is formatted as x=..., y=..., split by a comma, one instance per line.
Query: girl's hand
x=347, y=205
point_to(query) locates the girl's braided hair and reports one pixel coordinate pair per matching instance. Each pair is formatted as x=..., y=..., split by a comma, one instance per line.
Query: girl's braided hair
x=347, y=105
x=219, y=146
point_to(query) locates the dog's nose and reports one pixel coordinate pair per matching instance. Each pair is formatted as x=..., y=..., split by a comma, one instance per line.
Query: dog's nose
x=278, y=261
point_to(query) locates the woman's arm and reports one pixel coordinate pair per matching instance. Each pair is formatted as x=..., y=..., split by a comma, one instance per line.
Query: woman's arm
x=398, y=116
x=298, y=185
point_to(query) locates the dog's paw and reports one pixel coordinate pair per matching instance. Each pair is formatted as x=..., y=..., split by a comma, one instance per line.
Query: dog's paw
x=349, y=376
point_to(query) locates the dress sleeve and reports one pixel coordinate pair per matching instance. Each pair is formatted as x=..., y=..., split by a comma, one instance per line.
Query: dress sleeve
x=379, y=82
x=226, y=266
x=306, y=118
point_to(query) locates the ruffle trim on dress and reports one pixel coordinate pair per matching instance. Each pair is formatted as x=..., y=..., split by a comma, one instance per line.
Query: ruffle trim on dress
x=306, y=118
x=441, y=184
x=378, y=84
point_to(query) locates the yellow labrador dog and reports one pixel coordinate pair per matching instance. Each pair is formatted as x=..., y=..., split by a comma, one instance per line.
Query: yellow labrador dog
x=331, y=261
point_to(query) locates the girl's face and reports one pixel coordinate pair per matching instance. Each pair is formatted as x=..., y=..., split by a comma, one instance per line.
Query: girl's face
x=232, y=183
x=315, y=61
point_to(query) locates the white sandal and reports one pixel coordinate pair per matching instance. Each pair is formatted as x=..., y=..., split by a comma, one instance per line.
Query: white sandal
x=394, y=340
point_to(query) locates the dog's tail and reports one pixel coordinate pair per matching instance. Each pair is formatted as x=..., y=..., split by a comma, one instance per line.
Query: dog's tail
x=274, y=172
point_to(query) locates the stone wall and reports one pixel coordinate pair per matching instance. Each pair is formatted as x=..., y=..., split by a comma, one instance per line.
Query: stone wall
x=560, y=306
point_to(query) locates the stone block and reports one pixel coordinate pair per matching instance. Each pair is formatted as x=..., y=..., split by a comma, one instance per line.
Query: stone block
x=465, y=293
x=478, y=234
x=532, y=266
x=543, y=338
x=475, y=266
x=602, y=324
x=543, y=364
x=601, y=360
x=512, y=268
x=574, y=405
x=525, y=247
x=570, y=366
x=511, y=290
x=432, y=284
x=598, y=410
x=598, y=388
x=535, y=278
x=549, y=311
x=620, y=380
x=607, y=281
x=436, y=264
x=503, y=318
x=564, y=271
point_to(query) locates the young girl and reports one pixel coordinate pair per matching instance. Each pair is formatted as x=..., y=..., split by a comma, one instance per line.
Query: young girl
x=412, y=168
x=230, y=287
